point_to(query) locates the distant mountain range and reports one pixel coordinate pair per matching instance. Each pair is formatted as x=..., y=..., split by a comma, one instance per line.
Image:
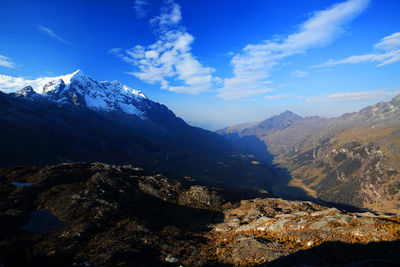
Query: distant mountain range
x=74, y=118
x=352, y=159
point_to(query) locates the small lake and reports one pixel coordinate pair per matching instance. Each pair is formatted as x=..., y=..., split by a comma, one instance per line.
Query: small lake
x=20, y=184
x=43, y=221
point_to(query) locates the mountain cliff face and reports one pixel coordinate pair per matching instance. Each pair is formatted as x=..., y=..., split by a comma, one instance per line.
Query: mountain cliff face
x=352, y=159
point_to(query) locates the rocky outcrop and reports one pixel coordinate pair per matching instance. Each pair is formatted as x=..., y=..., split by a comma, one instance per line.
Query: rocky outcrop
x=264, y=230
x=114, y=215
x=109, y=215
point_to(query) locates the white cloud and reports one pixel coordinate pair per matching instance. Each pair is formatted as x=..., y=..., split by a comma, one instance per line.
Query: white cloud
x=390, y=42
x=169, y=61
x=299, y=74
x=6, y=62
x=9, y=84
x=52, y=34
x=140, y=7
x=376, y=95
x=170, y=15
x=278, y=96
x=387, y=51
x=252, y=67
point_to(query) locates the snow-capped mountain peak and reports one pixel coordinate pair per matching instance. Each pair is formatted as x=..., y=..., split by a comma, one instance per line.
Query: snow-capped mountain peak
x=76, y=75
x=80, y=89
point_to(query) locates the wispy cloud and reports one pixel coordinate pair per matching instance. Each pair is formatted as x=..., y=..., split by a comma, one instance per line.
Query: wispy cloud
x=299, y=74
x=6, y=62
x=52, y=34
x=282, y=96
x=170, y=15
x=252, y=67
x=387, y=51
x=375, y=95
x=169, y=61
x=278, y=96
x=140, y=7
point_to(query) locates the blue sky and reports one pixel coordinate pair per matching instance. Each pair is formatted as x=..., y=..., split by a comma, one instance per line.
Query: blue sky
x=215, y=63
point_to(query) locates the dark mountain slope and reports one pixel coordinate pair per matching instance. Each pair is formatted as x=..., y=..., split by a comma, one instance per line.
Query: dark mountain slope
x=74, y=117
x=85, y=120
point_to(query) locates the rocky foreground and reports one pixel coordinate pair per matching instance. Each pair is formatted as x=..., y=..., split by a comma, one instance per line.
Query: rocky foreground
x=82, y=214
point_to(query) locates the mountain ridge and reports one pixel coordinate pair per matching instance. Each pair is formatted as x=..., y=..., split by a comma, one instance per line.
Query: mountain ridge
x=80, y=89
x=351, y=159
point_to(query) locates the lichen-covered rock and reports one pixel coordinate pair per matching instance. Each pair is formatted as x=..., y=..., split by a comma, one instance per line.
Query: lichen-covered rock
x=295, y=226
x=200, y=197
